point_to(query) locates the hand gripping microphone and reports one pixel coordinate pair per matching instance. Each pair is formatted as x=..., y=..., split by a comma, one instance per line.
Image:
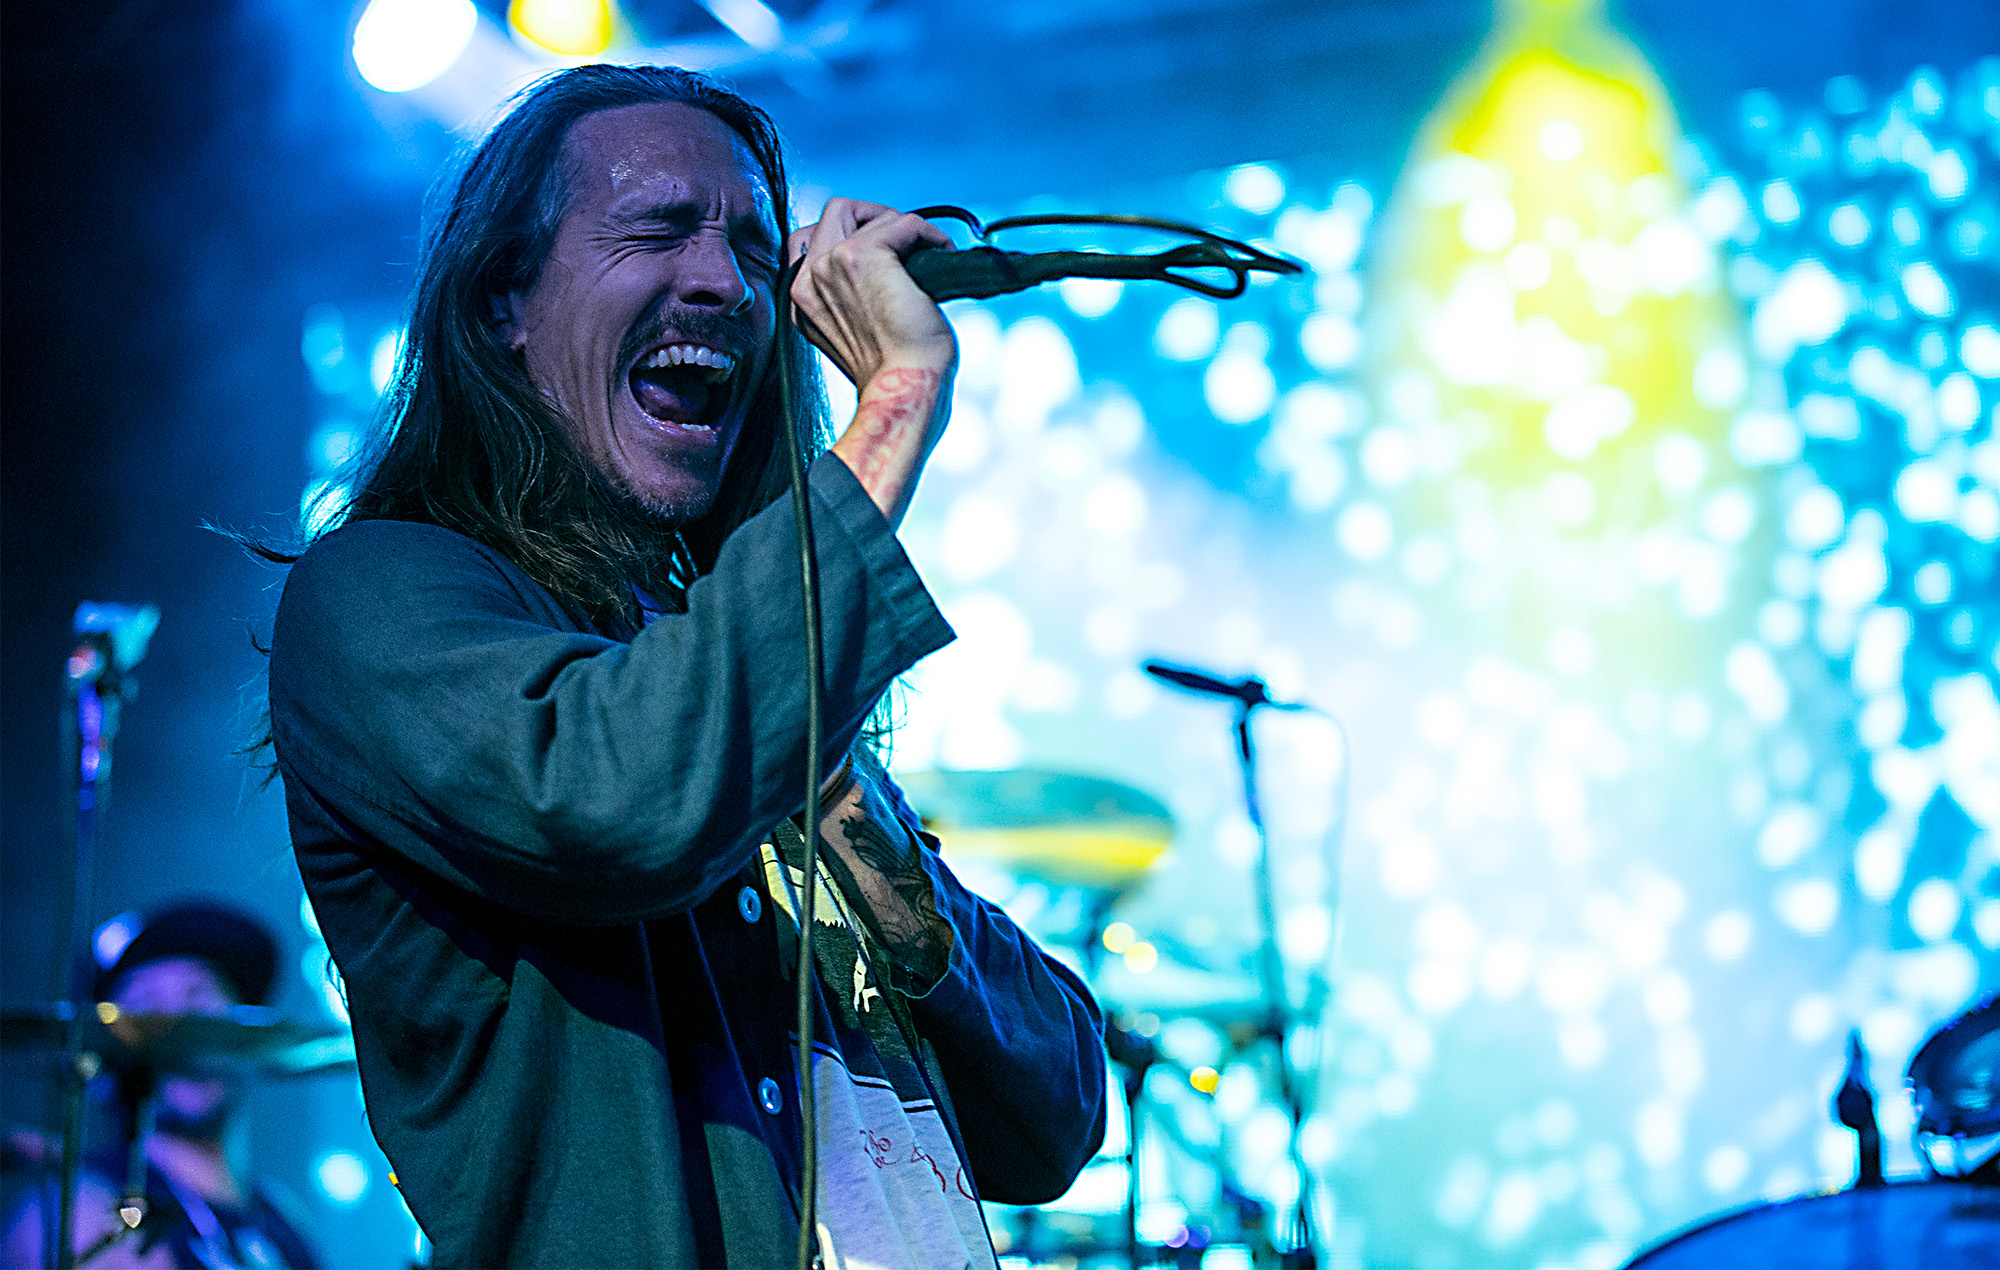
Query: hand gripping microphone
x=984, y=270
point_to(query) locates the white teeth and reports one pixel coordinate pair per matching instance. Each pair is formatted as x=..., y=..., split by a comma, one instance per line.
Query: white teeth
x=718, y=364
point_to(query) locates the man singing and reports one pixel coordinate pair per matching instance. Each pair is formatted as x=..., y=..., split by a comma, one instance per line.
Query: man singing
x=539, y=712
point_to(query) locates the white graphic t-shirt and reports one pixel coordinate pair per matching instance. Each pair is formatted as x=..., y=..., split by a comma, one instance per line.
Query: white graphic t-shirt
x=893, y=1194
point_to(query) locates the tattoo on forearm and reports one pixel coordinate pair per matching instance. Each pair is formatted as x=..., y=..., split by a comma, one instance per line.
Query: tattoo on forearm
x=881, y=869
x=892, y=404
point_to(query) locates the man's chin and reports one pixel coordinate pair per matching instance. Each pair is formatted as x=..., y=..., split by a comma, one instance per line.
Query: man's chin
x=671, y=508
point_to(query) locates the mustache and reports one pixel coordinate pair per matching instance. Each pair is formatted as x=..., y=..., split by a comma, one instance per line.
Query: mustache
x=731, y=333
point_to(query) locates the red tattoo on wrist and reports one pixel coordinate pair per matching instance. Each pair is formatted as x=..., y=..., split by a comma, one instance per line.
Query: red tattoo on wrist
x=894, y=402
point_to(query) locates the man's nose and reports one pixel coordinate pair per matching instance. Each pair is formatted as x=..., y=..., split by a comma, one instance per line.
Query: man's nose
x=709, y=275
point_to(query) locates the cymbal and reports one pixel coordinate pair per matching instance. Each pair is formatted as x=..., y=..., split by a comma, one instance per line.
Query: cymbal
x=250, y=1035
x=1062, y=828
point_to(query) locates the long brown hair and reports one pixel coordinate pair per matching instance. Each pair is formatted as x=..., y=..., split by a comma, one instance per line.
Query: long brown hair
x=466, y=442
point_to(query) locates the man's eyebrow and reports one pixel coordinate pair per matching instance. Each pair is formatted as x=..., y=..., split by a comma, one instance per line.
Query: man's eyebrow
x=680, y=215
x=676, y=213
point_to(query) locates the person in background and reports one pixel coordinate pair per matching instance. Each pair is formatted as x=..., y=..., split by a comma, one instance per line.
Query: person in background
x=193, y=957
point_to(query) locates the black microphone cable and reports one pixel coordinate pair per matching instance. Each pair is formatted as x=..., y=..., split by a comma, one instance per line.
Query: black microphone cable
x=802, y=905
x=946, y=274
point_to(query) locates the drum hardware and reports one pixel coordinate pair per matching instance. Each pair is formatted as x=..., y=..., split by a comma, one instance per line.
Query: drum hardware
x=1954, y=1080
x=1905, y=1224
x=1854, y=1106
x=1943, y=1221
x=1136, y=1055
x=1063, y=828
x=254, y=1039
x=140, y=1048
x=1059, y=849
x=1249, y=694
x=89, y=1038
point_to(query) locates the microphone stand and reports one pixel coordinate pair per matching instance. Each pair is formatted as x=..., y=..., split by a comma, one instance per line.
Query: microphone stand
x=1249, y=694
x=111, y=638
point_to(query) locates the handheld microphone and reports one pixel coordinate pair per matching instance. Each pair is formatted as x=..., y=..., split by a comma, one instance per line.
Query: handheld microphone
x=981, y=271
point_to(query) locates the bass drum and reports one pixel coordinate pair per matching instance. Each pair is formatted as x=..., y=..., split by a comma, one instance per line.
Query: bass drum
x=1942, y=1225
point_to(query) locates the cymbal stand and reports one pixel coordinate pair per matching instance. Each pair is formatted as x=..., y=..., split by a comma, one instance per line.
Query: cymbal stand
x=1271, y=973
x=1136, y=1055
x=139, y=1091
x=1854, y=1107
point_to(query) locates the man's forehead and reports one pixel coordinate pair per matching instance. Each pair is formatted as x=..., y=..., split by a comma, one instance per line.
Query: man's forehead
x=661, y=149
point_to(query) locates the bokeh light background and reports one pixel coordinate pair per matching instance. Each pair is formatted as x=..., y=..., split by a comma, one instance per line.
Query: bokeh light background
x=1626, y=488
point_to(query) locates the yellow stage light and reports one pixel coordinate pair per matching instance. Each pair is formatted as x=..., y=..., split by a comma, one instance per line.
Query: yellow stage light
x=569, y=28
x=1544, y=299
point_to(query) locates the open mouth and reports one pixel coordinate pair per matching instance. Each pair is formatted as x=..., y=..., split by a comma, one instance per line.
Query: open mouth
x=684, y=384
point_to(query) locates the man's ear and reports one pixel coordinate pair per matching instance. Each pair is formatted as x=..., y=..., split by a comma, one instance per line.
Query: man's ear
x=506, y=313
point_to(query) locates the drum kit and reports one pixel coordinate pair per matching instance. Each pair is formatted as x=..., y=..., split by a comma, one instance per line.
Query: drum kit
x=1059, y=851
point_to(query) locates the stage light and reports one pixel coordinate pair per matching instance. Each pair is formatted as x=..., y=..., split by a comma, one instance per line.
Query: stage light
x=109, y=943
x=751, y=21
x=1848, y=225
x=323, y=345
x=1934, y=910
x=1255, y=187
x=1091, y=297
x=382, y=361
x=1808, y=906
x=1238, y=387
x=1188, y=331
x=1330, y=341
x=1986, y=923
x=1927, y=289
x=1781, y=202
x=567, y=28
x=1727, y=936
x=342, y=1177
x=400, y=45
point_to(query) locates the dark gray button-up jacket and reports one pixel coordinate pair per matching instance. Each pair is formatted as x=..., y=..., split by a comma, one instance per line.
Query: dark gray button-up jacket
x=525, y=840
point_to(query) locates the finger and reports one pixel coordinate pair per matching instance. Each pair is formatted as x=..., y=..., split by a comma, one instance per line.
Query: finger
x=839, y=220
x=908, y=231
x=897, y=234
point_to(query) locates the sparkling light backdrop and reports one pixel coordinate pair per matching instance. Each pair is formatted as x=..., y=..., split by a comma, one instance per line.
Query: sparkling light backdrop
x=1630, y=500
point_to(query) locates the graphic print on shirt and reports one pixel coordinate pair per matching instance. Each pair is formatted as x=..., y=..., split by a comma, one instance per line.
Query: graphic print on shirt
x=893, y=1193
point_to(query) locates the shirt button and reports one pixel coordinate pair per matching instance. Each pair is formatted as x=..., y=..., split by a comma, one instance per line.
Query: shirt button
x=749, y=903
x=770, y=1095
